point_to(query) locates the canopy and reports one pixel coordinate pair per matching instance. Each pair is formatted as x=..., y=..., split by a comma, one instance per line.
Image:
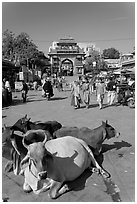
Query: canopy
x=119, y=71
x=131, y=70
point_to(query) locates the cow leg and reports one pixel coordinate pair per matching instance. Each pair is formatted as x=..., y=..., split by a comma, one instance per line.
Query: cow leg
x=46, y=186
x=9, y=166
x=64, y=189
x=55, y=189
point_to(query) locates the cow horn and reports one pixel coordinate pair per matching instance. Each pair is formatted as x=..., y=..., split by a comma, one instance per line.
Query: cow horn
x=34, y=136
x=26, y=146
x=46, y=137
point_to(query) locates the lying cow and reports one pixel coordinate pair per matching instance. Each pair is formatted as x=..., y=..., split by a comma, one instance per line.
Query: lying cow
x=24, y=124
x=59, y=160
x=94, y=138
x=14, y=150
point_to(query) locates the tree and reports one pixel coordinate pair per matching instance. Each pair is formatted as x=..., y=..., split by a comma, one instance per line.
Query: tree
x=24, y=48
x=8, y=45
x=94, y=56
x=111, y=53
x=18, y=49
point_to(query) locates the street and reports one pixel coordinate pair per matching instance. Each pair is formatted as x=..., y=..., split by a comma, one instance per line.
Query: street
x=118, y=157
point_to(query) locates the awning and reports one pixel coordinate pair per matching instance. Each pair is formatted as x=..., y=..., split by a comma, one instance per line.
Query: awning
x=132, y=70
x=119, y=71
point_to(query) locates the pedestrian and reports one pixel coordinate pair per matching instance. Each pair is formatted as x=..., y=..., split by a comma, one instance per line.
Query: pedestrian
x=76, y=98
x=100, y=91
x=60, y=84
x=8, y=89
x=111, y=88
x=7, y=85
x=43, y=82
x=35, y=85
x=47, y=87
x=86, y=92
x=24, y=91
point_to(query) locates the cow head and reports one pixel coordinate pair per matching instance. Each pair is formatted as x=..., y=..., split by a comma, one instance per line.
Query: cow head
x=109, y=131
x=21, y=124
x=37, y=154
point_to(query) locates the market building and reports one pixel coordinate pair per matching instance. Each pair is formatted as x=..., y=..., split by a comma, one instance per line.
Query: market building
x=127, y=60
x=66, y=57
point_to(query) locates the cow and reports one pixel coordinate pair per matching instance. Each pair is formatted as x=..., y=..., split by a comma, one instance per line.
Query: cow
x=59, y=160
x=13, y=149
x=24, y=124
x=94, y=138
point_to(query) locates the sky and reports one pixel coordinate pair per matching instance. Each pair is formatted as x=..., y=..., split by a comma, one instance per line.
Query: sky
x=105, y=24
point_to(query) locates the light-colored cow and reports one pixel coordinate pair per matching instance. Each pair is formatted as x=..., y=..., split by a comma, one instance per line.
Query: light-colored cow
x=61, y=160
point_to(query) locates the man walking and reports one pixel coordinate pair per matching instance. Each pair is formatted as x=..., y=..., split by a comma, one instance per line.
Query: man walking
x=100, y=91
x=111, y=88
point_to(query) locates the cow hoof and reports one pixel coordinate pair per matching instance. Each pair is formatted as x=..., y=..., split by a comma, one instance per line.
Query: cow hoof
x=27, y=188
x=52, y=196
x=105, y=174
x=94, y=170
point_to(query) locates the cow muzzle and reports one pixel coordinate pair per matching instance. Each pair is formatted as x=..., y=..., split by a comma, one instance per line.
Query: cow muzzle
x=117, y=134
x=42, y=175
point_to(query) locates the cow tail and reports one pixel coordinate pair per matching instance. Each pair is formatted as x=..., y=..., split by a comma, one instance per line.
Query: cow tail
x=95, y=163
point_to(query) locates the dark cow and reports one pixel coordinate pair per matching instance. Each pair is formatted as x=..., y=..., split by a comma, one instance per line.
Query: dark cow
x=24, y=124
x=94, y=138
x=14, y=150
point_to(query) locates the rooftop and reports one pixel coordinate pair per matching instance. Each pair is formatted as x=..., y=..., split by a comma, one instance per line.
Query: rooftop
x=67, y=40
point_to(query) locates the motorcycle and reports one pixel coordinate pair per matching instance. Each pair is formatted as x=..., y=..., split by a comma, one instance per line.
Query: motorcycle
x=131, y=101
x=126, y=96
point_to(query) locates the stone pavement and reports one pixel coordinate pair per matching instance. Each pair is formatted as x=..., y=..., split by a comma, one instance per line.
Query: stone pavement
x=118, y=156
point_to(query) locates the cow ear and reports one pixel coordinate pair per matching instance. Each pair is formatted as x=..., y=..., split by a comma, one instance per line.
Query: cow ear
x=25, y=116
x=11, y=133
x=104, y=133
x=106, y=122
x=25, y=162
x=103, y=123
x=4, y=127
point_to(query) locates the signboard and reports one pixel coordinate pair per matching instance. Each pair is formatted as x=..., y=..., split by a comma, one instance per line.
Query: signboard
x=18, y=85
x=21, y=76
x=94, y=64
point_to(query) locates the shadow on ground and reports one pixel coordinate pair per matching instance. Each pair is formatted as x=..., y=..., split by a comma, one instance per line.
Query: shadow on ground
x=116, y=145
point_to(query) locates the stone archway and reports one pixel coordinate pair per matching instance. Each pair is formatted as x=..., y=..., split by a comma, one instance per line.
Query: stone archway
x=67, y=67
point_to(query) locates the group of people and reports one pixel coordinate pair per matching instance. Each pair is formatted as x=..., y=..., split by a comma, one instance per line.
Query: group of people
x=7, y=92
x=86, y=87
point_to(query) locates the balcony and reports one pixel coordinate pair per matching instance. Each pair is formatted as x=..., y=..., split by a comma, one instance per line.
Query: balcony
x=66, y=51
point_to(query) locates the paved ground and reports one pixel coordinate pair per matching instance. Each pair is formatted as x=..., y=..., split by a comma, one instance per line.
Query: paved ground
x=118, y=157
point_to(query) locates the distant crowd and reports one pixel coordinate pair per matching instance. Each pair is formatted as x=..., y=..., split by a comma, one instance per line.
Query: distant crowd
x=81, y=89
